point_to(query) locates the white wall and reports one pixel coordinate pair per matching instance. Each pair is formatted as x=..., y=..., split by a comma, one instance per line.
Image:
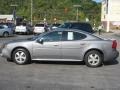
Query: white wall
x=113, y=10
x=8, y=17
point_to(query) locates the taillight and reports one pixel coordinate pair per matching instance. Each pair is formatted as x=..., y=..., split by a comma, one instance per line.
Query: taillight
x=114, y=44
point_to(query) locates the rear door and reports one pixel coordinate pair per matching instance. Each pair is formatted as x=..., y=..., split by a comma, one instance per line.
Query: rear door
x=71, y=44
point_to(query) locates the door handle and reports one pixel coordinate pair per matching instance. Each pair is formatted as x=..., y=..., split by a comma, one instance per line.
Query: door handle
x=55, y=45
x=82, y=44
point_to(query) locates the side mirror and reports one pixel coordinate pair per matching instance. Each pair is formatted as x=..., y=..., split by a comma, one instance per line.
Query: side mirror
x=40, y=41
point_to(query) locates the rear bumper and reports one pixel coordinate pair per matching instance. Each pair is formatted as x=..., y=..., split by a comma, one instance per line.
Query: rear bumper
x=20, y=31
x=114, y=55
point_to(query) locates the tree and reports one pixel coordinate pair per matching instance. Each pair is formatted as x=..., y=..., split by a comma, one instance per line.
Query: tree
x=61, y=9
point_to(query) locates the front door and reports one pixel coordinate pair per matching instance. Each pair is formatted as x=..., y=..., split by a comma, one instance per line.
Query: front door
x=50, y=48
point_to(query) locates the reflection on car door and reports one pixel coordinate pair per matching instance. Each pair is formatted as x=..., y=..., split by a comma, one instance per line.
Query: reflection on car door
x=50, y=49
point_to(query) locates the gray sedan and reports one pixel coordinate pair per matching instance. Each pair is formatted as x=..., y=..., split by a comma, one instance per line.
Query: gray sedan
x=62, y=45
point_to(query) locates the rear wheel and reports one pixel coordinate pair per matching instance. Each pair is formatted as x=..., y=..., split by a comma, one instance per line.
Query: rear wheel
x=21, y=56
x=5, y=34
x=93, y=59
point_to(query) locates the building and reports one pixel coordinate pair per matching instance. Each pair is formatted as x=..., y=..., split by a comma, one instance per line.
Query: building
x=110, y=14
x=6, y=18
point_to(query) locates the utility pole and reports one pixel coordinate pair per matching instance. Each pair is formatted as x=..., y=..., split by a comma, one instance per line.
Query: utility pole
x=14, y=12
x=31, y=12
x=108, y=16
x=77, y=11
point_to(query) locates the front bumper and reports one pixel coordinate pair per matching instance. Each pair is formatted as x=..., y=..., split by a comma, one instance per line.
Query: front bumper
x=4, y=53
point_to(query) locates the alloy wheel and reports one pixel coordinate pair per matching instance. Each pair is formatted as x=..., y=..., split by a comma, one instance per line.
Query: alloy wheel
x=20, y=57
x=93, y=59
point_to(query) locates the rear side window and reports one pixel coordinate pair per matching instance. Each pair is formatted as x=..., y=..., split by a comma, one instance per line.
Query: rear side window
x=23, y=24
x=70, y=36
x=79, y=36
x=39, y=25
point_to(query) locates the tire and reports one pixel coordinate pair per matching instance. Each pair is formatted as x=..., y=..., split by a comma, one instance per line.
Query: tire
x=5, y=34
x=93, y=59
x=21, y=56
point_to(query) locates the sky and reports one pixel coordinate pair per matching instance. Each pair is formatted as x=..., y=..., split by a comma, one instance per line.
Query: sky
x=97, y=0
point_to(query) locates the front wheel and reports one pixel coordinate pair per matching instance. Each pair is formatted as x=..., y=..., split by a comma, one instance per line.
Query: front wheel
x=21, y=56
x=93, y=59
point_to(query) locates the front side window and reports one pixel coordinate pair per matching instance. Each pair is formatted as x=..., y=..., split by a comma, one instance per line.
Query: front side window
x=52, y=36
x=70, y=36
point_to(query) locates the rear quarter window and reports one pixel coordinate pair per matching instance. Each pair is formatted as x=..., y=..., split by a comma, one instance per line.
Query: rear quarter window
x=79, y=36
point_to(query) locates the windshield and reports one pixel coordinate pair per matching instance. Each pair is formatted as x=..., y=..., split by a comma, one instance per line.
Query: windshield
x=39, y=25
x=23, y=24
x=36, y=36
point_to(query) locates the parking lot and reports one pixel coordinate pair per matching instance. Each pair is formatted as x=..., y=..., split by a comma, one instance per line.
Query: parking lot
x=44, y=75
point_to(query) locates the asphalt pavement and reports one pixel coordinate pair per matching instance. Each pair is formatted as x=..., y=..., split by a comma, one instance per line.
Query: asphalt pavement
x=44, y=75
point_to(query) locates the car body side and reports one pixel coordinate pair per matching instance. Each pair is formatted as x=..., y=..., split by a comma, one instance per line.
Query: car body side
x=85, y=45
